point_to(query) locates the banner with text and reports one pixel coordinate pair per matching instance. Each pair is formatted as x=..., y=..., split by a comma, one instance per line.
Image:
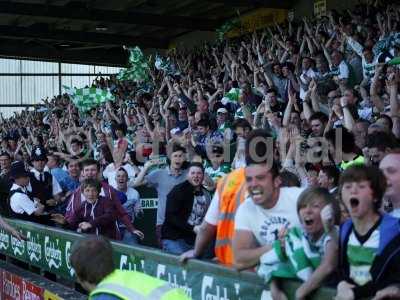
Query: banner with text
x=49, y=249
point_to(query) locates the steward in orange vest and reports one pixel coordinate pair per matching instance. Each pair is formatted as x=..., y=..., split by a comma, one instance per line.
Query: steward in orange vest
x=231, y=191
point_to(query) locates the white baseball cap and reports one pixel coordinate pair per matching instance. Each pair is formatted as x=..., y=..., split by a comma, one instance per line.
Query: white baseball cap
x=222, y=110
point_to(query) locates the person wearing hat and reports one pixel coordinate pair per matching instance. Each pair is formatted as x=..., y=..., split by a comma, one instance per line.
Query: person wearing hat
x=22, y=204
x=42, y=184
x=223, y=123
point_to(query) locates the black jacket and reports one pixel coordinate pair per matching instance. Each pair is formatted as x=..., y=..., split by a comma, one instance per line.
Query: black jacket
x=385, y=269
x=178, y=209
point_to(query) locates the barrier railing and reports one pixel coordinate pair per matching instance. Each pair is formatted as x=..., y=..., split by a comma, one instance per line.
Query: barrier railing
x=49, y=248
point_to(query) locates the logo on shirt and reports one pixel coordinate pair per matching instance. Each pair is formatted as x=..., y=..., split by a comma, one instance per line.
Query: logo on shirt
x=269, y=230
x=38, y=152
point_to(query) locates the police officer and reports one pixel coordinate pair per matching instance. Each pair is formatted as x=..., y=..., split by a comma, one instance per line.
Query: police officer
x=23, y=205
x=92, y=259
x=43, y=185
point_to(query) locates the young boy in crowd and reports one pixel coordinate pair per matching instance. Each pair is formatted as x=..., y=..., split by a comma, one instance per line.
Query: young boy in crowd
x=215, y=168
x=96, y=214
x=369, y=248
x=308, y=253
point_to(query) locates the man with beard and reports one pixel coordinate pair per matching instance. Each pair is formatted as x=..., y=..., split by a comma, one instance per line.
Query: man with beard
x=268, y=210
x=186, y=207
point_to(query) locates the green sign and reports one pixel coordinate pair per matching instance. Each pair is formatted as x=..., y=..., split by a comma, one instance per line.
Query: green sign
x=49, y=249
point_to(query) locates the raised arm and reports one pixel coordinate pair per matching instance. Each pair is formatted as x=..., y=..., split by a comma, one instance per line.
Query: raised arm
x=348, y=117
x=394, y=104
x=314, y=96
x=327, y=55
x=376, y=99
x=288, y=109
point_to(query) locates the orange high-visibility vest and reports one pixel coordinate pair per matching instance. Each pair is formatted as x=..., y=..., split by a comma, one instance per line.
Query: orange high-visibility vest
x=231, y=191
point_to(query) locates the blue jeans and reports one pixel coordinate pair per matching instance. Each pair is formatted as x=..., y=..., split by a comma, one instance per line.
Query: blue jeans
x=129, y=237
x=176, y=247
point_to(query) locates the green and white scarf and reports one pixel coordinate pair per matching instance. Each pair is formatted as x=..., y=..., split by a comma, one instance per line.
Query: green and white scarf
x=302, y=257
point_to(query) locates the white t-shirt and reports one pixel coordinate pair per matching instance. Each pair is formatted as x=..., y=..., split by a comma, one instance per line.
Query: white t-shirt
x=110, y=173
x=21, y=203
x=132, y=204
x=265, y=224
x=310, y=73
x=213, y=210
x=344, y=71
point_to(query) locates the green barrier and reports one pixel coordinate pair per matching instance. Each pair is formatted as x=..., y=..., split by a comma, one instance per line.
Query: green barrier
x=49, y=249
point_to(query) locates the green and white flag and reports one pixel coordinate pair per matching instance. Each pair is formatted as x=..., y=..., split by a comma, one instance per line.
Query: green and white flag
x=138, y=67
x=88, y=98
x=300, y=259
x=232, y=96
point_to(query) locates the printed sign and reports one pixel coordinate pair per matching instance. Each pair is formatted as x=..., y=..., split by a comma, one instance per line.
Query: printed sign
x=34, y=245
x=319, y=8
x=149, y=203
x=31, y=291
x=5, y=242
x=258, y=19
x=52, y=252
x=12, y=286
x=50, y=296
x=18, y=248
x=53, y=256
x=130, y=262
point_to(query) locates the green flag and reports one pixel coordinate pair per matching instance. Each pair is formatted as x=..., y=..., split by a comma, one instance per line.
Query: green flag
x=394, y=61
x=87, y=98
x=300, y=259
x=232, y=96
x=226, y=27
x=138, y=67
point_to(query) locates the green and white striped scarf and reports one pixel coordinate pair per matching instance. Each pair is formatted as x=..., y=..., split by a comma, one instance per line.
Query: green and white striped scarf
x=302, y=257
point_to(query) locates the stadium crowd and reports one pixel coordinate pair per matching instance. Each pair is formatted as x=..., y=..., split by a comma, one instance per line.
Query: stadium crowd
x=279, y=148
